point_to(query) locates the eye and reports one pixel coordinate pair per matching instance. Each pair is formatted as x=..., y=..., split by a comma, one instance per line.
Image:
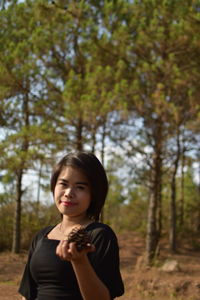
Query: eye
x=62, y=183
x=80, y=187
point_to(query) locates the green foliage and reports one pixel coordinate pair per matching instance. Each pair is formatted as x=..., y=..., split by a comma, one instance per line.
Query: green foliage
x=34, y=217
x=192, y=200
x=114, y=203
x=134, y=213
x=6, y=227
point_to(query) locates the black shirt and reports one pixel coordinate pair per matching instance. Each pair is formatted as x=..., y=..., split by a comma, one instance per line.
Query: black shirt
x=47, y=277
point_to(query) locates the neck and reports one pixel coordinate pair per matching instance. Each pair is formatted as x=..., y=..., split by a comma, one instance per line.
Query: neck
x=68, y=222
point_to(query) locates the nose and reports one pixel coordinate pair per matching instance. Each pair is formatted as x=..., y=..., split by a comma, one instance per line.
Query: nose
x=69, y=192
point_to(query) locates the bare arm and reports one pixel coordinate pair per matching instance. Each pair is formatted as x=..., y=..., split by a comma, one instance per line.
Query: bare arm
x=23, y=298
x=89, y=283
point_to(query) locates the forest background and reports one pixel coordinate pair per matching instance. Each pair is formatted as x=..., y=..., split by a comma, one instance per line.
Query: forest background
x=118, y=78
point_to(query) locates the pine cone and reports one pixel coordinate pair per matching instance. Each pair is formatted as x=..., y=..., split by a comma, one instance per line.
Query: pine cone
x=80, y=236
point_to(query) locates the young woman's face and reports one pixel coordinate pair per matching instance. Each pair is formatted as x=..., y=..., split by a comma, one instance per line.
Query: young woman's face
x=72, y=193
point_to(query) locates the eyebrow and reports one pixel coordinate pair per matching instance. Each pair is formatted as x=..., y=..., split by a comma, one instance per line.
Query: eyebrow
x=78, y=182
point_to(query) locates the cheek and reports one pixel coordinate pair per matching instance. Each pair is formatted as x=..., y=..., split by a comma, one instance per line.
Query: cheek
x=57, y=192
x=89, y=199
x=85, y=197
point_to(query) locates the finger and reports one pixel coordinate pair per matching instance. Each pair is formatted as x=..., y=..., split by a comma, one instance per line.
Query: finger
x=64, y=250
x=60, y=249
x=72, y=248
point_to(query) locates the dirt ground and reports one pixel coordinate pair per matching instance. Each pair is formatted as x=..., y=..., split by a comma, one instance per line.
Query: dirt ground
x=141, y=283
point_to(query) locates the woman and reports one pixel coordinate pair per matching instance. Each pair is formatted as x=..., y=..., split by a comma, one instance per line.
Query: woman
x=56, y=269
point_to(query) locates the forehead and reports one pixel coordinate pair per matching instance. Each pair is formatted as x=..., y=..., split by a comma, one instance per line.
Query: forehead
x=71, y=173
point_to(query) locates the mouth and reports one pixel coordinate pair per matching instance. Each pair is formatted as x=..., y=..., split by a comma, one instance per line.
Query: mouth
x=68, y=203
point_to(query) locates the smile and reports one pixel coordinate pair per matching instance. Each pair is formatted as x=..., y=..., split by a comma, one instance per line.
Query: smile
x=68, y=203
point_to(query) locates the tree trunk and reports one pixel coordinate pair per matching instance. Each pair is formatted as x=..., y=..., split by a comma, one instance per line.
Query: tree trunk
x=17, y=216
x=159, y=210
x=3, y=2
x=103, y=159
x=79, y=130
x=173, y=209
x=93, y=129
x=38, y=189
x=198, y=213
x=103, y=137
x=153, y=224
x=173, y=215
x=19, y=176
x=154, y=210
x=182, y=199
x=151, y=242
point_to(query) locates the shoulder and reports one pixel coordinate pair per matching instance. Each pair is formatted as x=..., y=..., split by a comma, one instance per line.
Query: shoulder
x=106, y=245
x=101, y=230
x=44, y=231
x=41, y=233
x=100, y=227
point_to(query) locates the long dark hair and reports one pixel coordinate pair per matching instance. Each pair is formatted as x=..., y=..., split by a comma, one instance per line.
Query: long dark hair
x=89, y=164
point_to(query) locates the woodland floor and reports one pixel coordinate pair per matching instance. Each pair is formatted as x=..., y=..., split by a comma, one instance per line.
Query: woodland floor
x=140, y=283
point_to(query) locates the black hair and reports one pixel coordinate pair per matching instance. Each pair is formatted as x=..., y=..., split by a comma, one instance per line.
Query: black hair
x=89, y=164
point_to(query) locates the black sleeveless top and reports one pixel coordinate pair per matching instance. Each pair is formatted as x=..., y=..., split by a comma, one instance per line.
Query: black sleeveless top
x=47, y=277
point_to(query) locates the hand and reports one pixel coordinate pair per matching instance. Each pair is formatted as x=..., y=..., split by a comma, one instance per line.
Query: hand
x=68, y=251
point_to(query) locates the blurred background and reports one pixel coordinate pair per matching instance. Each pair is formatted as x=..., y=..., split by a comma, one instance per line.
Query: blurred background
x=118, y=78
